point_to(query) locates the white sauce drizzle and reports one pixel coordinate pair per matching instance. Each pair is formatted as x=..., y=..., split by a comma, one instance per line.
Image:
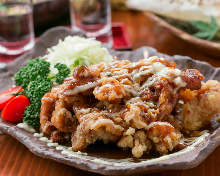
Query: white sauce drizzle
x=45, y=139
x=179, y=82
x=26, y=127
x=159, y=123
x=81, y=88
x=60, y=147
x=38, y=134
x=131, y=90
x=84, y=111
x=52, y=144
x=160, y=70
x=141, y=73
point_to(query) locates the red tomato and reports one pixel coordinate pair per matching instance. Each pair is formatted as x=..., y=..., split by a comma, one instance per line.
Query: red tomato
x=8, y=95
x=4, y=99
x=15, y=108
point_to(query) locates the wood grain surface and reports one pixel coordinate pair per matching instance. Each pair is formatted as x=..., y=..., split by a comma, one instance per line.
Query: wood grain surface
x=15, y=159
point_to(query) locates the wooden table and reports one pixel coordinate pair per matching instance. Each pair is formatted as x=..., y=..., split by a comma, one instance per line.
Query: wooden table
x=15, y=159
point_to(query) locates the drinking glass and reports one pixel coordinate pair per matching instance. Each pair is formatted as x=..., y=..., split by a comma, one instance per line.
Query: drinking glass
x=92, y=18
x=16, y=26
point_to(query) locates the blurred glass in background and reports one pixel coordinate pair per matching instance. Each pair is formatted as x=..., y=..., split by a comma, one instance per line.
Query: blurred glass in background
x=16, y=26
x=92, y=18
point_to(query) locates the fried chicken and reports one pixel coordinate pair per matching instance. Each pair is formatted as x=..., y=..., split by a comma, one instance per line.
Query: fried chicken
x=122, y=102
x=200, y=105
x=95, y=126
x=164, y=136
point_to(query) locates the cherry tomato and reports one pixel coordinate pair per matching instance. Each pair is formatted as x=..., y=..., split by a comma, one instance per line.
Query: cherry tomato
x=4, y=99
x=15, y=108
x=8, y=95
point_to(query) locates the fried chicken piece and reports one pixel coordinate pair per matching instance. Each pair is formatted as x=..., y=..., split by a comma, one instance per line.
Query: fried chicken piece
x=63, y=119
x=95, y=126
x=109, y=89
x=137, y=141
x=127, y=139
x=60, y=137
x=82, y=81
x=201, y=105
x=141, y=144
x=193, y=78
x=96, y=123
x=126, y=142
x=47, y=108
x=134, y=116
x=55, y=114
x=164, y=136
x=167, y=99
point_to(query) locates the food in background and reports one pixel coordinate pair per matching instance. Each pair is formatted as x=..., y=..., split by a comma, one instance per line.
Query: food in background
x=198, y=18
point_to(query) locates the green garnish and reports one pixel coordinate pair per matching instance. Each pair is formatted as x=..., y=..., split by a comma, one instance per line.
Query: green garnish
x=76, y=62
x=31, y=115
x=37, y=88
x=35, y=80
x=34, y=68
x=205, y=30
x=63, y=72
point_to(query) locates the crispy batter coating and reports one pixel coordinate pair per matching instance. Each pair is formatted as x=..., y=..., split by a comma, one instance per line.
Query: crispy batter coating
x=164, y=136
x=95, y=126
x=61, y=118
x=193, y=78
x=47, y=108
x=201, y=105
x=141, y=144
x=121, y=102
x=109, y=89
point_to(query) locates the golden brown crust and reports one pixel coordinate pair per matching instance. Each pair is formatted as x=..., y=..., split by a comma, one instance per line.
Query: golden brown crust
x=204, y=104
x=131, y=104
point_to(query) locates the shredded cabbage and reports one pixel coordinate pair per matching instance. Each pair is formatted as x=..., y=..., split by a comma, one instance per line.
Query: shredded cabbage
x=76, y=50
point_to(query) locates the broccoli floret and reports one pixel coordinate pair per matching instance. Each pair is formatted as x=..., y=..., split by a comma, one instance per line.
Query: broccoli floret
x=35, y=91
x=37, y=88
x=63, y=72
x=33, y=69
x=35, y=80
x=31, y=115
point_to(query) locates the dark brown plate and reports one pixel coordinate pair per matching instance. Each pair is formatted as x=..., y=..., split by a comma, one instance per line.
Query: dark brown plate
x=208, y=47
x=108, y=159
